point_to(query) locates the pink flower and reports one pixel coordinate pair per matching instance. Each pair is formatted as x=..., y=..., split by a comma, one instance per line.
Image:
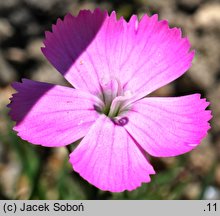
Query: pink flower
x=113, y=65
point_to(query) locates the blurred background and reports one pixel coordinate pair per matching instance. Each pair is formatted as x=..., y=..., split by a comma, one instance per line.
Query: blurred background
x=34, y=172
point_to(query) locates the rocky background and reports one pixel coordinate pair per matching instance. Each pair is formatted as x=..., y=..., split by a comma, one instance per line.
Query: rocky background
x=32, y=172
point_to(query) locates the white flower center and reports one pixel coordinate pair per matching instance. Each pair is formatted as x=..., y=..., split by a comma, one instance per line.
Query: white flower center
x=116, y=101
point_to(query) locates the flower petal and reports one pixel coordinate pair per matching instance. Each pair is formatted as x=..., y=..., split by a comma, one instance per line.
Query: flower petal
x=66, y=48
x=169, y=126
x=143, y=55
x=159, y=56
x=110, y=159
x=51, y=115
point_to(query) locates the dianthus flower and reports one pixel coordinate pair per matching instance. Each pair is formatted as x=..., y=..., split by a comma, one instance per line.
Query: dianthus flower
x=112, y=66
